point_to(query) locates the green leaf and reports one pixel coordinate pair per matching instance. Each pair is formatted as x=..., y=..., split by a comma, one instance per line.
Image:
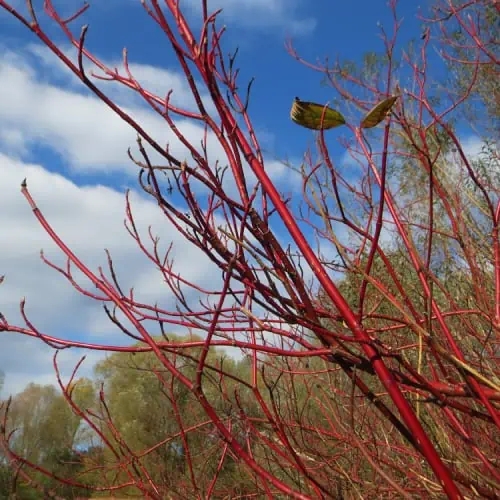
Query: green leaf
x=309, y=114
x=378, y=112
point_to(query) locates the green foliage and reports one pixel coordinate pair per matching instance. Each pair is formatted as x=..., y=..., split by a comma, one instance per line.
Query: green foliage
x=149, y=406
x=483, y=108
x=45, y=431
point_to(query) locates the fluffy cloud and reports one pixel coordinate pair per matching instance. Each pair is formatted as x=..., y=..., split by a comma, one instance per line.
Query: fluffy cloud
x=41, y=106
x=255, y=14
x=263, y=14
x=88, y=219
x=78, y=126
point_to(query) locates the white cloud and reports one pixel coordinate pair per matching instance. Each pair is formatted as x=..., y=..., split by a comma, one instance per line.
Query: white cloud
x=84, y=131
x=88, y=219
x=87, y=135
x=40, y=105
x=267, y=14
x=27, y=360
x=157, y=80
x=257, y=14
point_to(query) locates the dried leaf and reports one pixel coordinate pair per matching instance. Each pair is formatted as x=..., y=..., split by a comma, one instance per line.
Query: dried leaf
x=308, y=114
x=378, y=112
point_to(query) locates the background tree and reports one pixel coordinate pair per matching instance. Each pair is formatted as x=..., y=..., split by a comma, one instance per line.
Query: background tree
x=43, y=430
x=164, y=418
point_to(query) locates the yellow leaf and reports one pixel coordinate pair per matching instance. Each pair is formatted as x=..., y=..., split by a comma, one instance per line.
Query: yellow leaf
x=378, y=112
x=308, y=114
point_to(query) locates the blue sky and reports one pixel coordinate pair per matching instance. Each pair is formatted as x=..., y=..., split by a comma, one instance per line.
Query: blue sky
x=73, y=150
x=259, y=28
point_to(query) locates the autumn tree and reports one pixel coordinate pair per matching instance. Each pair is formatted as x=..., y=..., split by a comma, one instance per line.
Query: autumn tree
x=164, y=418
x=44, y=431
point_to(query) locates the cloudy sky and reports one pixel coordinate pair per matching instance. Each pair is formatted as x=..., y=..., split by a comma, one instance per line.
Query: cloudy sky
x=73, y=150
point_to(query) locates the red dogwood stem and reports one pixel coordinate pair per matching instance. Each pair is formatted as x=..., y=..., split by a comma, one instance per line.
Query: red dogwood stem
x=379, y=366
